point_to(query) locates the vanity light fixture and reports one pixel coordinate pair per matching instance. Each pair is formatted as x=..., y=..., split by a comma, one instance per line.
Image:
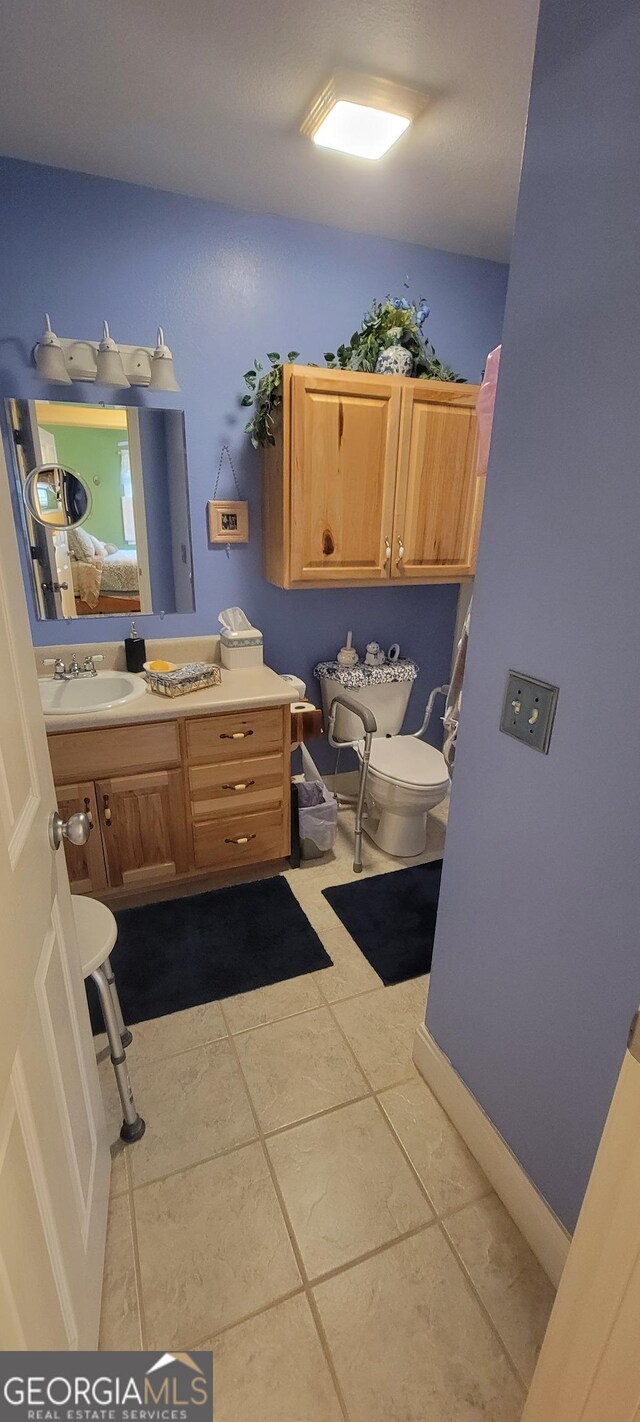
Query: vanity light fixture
x=163, y=375
x=109, y=367
x=64, y=360
x=49, y=357
x=362, y=115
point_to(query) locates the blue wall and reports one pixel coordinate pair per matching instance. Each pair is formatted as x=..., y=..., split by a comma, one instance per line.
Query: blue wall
x=227, y=286
x=536, y=970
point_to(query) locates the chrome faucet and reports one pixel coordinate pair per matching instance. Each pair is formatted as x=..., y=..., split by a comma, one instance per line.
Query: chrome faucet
x=74, y=670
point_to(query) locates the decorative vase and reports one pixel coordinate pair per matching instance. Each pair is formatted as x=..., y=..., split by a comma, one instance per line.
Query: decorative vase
x=395, y=360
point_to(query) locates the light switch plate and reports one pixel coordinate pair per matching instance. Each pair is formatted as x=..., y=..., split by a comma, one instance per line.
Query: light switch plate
x=529, y=710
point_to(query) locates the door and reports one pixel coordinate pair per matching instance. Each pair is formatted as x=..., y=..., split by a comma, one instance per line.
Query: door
x=143, y=827
x=54, y=1156
x=438, y=496
x=344, y=444
x=85, y=862
x=589, y=1366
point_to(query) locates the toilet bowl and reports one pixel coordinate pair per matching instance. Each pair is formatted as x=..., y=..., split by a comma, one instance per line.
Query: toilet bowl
x=407, y=778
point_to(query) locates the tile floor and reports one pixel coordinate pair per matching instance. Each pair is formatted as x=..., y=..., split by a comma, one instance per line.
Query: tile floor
x=301, y=1204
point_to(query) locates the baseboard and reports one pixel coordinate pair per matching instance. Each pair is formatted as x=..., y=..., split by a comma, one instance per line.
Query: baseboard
x=542, y=1229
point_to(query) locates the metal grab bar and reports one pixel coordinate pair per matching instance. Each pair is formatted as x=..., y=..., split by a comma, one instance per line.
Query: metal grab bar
x=437, y=691
x=370, y=727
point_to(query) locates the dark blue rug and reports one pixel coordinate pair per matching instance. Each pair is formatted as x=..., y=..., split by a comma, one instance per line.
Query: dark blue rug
x=184, y=952
x=392, y=918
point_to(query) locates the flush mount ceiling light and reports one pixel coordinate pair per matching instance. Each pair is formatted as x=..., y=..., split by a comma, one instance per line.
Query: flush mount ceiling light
x=361, y=115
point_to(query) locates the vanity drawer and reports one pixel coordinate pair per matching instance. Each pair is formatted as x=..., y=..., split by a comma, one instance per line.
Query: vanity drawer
x=236, y=733
x=113, y=750
x=241, y=839
x=236, y=785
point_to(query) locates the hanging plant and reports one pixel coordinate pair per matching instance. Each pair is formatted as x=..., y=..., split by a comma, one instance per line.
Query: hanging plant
x=265, y=395
x=387, y=323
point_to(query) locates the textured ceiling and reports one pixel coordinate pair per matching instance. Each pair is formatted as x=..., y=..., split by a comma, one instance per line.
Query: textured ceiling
x=206, y=98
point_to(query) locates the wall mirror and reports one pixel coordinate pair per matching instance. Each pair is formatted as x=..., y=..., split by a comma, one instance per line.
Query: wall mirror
x=101, y=507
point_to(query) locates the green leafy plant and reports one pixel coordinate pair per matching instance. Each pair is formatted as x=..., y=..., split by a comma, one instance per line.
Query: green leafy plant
x=387, y=323
x=265, y=395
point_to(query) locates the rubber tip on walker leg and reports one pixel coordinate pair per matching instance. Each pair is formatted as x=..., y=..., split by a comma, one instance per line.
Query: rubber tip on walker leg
x=126, y=1038
x=134, y=1132
x=357, y=868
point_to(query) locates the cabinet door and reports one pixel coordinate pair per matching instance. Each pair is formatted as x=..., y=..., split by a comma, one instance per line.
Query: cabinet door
x=344, y=444
x=143, y=827
x=438, y=496
x=85, y=862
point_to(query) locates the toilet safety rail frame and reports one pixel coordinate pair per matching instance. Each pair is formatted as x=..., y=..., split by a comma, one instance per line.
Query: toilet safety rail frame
x=370, y=726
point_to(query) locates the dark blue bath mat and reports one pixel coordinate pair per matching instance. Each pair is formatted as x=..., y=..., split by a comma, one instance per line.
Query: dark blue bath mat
x=184, y=952
x=392, y=918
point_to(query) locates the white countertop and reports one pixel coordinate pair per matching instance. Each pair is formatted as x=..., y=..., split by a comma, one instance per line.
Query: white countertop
x=257, y=686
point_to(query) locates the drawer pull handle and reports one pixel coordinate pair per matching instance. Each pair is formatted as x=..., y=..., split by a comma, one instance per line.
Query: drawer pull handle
x=107, y=810
x=240, y=839
x=234, y=735
x=241, y=785
x=87, y=810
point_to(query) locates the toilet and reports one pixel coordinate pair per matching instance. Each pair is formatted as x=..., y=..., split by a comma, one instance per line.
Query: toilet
x=407, y=777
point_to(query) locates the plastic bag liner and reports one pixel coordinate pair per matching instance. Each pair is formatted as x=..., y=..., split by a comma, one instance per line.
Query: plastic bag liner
x=317, y=811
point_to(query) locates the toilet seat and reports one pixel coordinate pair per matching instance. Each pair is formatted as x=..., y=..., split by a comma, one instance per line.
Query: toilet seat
x=407, y=761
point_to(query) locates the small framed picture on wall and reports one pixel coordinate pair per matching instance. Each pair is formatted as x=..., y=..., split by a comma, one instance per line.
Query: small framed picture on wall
x=228, y=521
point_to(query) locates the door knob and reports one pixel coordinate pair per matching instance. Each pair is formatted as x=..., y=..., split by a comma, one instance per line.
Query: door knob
x=76, y=829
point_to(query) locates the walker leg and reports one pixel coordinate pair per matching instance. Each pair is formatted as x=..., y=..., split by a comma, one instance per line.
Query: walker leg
x=133, y=1126
x=125, y=1034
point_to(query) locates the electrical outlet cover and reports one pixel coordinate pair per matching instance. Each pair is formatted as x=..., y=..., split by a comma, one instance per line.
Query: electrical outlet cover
x=529, y=710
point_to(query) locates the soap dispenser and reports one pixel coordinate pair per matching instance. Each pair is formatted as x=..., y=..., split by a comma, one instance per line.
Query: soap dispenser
x=135, y=650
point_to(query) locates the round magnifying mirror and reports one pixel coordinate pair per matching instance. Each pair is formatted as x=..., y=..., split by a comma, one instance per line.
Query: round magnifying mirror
x=57, y=496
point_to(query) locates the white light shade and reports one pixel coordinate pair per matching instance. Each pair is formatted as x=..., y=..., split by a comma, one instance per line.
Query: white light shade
x=109, y=367
x=49, y=356
x=354, y=128
x=162, y=372
x=361, y=115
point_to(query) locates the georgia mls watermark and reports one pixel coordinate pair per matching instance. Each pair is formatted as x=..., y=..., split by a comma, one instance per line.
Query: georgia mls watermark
x=106, y=1387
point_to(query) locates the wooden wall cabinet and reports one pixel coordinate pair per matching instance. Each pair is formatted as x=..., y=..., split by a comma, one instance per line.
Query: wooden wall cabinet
x=371, y=480
x=170, y=800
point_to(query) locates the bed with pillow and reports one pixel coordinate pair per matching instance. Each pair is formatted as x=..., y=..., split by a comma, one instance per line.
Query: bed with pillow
x=105, y=578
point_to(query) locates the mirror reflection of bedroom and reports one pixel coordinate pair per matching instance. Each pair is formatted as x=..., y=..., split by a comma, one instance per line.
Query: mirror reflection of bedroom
x=105, y=552
x=103, y=507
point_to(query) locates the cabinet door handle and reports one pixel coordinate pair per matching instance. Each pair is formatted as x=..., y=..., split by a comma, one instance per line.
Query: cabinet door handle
x=234, y=735
x=387, y=552
x=241, y=785
x=400, y=553
x=87, y=810
x=107, y=810
x=240, y=839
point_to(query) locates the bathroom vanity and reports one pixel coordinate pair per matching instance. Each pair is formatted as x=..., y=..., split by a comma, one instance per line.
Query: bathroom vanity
x=177, y=788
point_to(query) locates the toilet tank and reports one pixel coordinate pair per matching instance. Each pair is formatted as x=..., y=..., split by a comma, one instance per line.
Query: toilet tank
x=388, y=698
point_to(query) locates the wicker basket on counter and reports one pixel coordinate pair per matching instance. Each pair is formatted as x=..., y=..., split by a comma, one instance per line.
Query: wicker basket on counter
x=193, y=676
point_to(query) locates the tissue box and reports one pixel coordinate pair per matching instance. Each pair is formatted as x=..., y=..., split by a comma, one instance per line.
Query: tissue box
x=239, y=650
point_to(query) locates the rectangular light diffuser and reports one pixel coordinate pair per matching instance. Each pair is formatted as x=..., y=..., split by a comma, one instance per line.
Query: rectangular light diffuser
x=364, y=116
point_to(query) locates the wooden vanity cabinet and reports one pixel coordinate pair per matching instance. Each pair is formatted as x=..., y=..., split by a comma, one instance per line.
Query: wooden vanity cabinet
x=371, y=480
x=143, y=828
x=85, y=862
x=172, y=799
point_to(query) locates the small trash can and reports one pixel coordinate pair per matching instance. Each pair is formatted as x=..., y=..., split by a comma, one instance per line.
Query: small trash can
x=317, y=812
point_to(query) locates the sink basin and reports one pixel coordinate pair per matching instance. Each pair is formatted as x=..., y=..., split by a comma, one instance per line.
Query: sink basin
x=90, y=693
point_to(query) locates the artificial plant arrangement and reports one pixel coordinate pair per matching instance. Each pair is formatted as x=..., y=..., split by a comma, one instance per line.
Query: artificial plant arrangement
x=389, y=323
